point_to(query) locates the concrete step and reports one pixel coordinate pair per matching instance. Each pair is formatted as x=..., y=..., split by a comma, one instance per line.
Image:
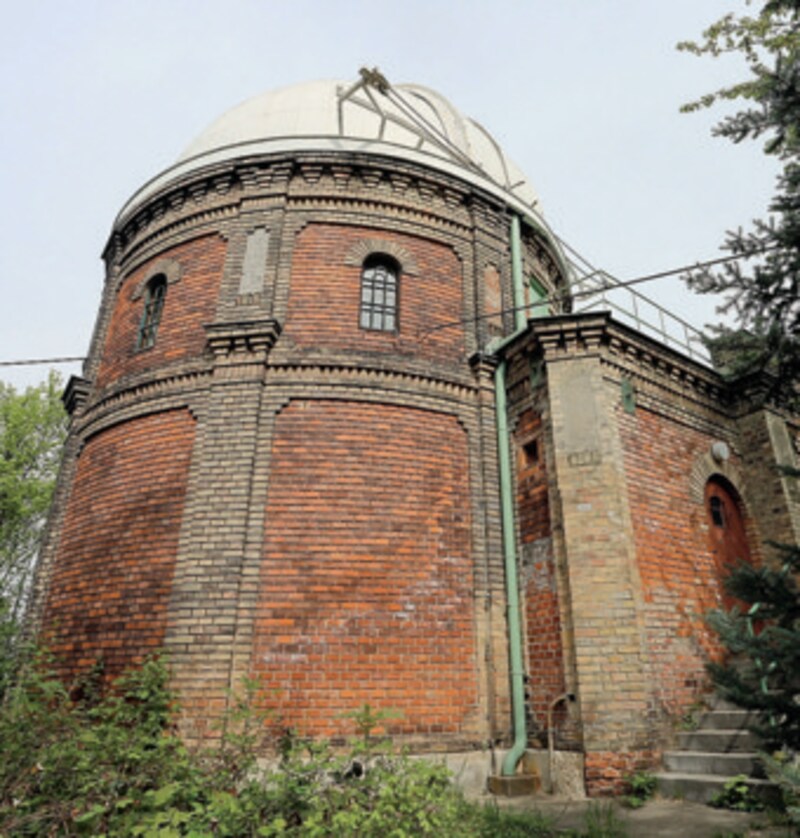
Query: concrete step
x=718, y=703
x=702, y=762
x=724, y=720
x=703, y=788
x=718, y=741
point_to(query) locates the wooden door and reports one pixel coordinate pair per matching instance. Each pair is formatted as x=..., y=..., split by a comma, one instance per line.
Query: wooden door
x=727, y=535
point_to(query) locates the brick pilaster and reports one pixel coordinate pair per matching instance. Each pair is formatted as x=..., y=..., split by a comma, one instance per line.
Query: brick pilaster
x=209, y=582
x=598, y=539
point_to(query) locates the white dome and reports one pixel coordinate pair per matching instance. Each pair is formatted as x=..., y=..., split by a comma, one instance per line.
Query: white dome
x=411, y=123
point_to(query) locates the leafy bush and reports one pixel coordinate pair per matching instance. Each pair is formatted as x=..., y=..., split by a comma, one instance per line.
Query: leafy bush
x=784, y=770
x=736, y=794
x=641, y=788
x=108, y=761
x=80, y=767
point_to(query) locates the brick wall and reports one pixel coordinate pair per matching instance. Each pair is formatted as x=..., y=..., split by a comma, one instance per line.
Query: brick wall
x=766, y=441
x=325, y=293
x=680, y=580
x=493, y=296
x=189, y=304
x=110, y=587
x=606, y=772
x=366, y=586
x=542, y=617
x=610, y=668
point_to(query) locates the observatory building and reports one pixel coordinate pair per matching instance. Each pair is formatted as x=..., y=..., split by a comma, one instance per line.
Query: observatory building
x=356, y=424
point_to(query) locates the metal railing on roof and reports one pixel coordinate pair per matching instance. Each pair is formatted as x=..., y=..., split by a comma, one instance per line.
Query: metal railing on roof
x=597, y=290
x=594, y=289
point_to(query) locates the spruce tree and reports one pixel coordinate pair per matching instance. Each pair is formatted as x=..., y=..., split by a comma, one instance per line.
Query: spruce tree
x=763, y=637
x=762, y=290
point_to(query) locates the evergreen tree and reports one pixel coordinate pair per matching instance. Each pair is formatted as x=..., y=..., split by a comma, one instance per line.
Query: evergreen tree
x=762, y=288
x=764, y=639
x=763, y=291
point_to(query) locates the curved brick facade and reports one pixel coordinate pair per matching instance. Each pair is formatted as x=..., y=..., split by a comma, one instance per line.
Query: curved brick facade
x=367, y=584
x=320, y=521
x=272, y=490
x=109, y=592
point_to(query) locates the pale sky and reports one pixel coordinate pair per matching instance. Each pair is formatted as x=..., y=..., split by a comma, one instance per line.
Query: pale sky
x=97, y=96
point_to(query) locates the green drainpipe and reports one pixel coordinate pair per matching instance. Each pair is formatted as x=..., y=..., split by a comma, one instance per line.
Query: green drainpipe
x=512, y=587
x=507, y=507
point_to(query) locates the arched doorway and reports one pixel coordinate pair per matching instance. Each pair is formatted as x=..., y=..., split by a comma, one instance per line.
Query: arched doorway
x=727, y=534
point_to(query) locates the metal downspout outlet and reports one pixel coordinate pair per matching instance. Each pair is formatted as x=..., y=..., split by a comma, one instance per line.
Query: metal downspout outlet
x=517, y=669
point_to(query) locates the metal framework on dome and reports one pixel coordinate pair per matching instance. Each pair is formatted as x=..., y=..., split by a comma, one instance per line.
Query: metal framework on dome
x=408, y=118
x=595, y=288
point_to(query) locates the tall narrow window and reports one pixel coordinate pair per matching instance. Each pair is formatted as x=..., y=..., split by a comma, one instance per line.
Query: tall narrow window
x=717, y=509
x=379, y=294
x=151, y=316
x=537, y=298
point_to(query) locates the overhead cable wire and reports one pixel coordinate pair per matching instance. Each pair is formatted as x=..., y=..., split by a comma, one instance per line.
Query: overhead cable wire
x=463, y=321
x=617, y=284
x=30, y=361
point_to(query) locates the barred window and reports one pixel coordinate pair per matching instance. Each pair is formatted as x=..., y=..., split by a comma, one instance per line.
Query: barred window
x=151, y=315
x=379, y=293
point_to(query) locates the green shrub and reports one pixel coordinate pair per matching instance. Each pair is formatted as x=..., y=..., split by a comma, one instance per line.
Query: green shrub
x=108, y=761
x=738, y=796
x=641, y=788
x=784, y=770
x=79, y=767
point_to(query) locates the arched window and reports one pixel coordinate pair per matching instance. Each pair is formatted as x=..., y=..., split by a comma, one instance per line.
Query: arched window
x=151, y=315
x=379, y=293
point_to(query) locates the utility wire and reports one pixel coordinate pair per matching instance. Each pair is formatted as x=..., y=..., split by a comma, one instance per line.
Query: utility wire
x=592, y=292
x=449, y=324
x=29, y=361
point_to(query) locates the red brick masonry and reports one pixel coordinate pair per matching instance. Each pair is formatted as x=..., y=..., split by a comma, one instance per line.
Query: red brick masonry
x=366, y=587
x=111, y=583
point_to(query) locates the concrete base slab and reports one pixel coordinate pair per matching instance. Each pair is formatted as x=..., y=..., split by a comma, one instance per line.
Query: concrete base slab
x=517, y=785
x=470, y=769
x=564, y=777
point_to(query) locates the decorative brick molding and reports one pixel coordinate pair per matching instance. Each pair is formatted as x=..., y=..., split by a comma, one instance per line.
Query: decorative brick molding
x=359, y=251
x=169, y=268
x=76, y=394
x=707, y=466
x=228, y=341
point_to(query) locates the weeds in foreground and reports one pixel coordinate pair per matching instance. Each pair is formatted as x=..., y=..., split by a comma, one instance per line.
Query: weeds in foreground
x=641, y=788
x=738, y=796
x=602, y=821
x=108, y=761
x=784, y=769
x=504, y=824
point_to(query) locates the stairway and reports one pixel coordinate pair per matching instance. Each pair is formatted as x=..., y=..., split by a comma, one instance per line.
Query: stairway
x=719, y=748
